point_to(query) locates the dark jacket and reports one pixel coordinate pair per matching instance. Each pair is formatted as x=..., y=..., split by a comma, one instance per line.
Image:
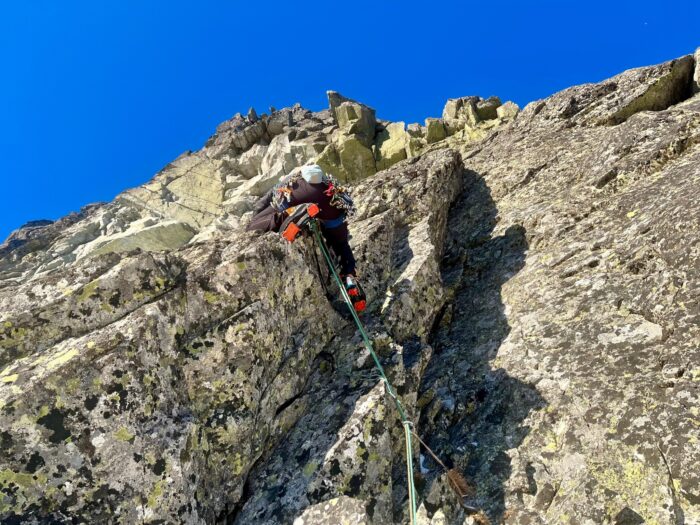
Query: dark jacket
x=303, y=192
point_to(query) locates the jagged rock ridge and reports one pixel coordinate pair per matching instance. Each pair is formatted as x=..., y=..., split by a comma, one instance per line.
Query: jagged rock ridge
x=533, y=283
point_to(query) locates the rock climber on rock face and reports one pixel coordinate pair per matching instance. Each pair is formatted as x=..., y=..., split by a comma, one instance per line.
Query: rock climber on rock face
x=312, y=185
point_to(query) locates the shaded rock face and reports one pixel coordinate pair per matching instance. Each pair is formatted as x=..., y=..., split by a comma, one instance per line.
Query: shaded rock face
x=533, y=286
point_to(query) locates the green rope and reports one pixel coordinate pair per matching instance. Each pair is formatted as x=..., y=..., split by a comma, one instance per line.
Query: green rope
x=368, y=344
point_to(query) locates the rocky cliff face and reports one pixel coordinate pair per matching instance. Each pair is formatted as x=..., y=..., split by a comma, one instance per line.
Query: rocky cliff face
x=533, y=285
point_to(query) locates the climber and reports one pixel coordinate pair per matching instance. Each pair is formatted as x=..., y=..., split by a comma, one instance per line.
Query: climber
x=312, y=185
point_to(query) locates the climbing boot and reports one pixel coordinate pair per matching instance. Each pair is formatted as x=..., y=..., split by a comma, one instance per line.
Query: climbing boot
x=355, y=292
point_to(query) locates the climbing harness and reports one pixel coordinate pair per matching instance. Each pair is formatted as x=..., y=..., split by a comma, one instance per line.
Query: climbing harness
x=407, y=424
x=305, y=217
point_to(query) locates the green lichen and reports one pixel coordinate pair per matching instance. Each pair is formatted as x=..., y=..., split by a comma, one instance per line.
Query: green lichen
x=88, y=291
x=310, y=468
x=123, y=434
x=156, y=493
x=13, y=337
x=237, y=465
x=161, y=283
x=211, y=297
x=72, y=385
x=9, y=379
x=21, y=479
x=637, y=483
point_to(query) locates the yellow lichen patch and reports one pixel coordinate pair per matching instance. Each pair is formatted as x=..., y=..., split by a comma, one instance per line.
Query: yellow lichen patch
x=61, y=358
x=9, y=379
x=551, y=446
x=123, y=434
x=211, y=297
x=59, y=403
x=72, y=385
x=106, y=307
x=638, y=484
x=162, y=283
x=88, y=291
x=156, y=493
x=21, y=479
x=13, y=337
x=90, y=345
x=6, y=371
x=632, y=213
x=237, y=465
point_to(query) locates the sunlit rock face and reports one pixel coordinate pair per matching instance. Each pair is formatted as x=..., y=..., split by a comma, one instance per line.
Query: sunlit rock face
x=533, y=284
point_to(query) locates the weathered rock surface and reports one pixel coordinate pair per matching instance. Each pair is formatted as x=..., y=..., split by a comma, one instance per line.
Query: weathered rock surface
x=392, y=145
x=533, y=281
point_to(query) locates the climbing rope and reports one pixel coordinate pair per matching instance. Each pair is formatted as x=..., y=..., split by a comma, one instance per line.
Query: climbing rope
x=390, y=390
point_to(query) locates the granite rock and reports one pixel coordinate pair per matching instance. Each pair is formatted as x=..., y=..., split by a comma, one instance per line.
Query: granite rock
x=533, y=296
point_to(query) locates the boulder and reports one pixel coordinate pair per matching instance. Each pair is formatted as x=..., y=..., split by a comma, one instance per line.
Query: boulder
x=415, y=130
x=435, y=130
x=252, y=116
x=342, y=509
x=460, y=112
x=487, y=109
x=335, y=99
x=356, y=119
x=348, y=159
x=508, y=111
x=278, y=121
x=390, y=145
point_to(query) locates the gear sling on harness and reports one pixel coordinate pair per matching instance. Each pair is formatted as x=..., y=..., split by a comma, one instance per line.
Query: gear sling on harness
x=305, y=216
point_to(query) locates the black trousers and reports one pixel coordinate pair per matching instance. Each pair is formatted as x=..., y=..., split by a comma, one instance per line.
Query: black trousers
x=269, y=220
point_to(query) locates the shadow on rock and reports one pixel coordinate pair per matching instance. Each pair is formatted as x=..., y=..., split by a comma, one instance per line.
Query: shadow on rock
x=339, y=445
x=473, y=412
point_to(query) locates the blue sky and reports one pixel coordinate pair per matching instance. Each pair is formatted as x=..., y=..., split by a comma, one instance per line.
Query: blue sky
x=96, y=97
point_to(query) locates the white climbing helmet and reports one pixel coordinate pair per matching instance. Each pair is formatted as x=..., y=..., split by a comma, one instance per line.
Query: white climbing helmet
x=312, y=174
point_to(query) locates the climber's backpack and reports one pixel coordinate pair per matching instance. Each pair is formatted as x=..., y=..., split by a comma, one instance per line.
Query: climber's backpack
x=298, y=218
x=340, y=195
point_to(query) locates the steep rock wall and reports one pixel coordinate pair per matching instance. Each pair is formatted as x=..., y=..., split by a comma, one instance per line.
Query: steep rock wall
x=533, y=286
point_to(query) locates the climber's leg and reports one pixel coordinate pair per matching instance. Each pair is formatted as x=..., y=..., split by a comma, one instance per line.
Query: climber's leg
x=268, y=220
x=338, y=240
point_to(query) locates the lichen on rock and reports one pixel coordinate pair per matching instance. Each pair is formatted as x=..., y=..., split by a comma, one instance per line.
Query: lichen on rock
x=532, y=281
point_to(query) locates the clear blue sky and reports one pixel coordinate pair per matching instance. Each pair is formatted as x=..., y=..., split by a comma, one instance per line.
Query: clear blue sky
x=97, y=96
